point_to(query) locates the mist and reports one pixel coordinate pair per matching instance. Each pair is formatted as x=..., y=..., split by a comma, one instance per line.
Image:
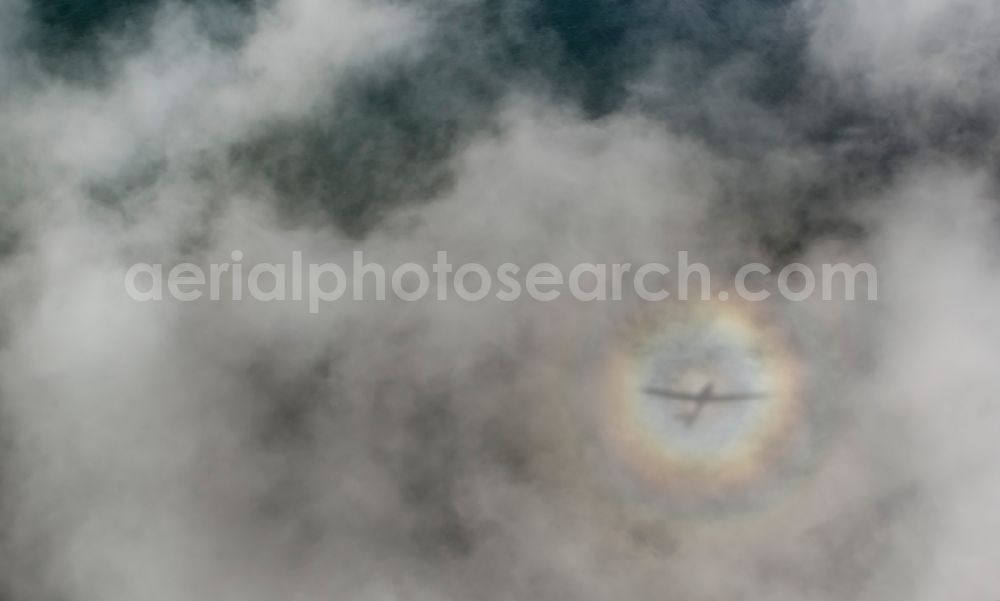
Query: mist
x=449, y=450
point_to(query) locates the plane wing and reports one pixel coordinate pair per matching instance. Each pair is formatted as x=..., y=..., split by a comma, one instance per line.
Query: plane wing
x=672, y=394
x=722, y=398
x=716, y=398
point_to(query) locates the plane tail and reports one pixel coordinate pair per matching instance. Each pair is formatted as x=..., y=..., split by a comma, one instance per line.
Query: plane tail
x=687, y=419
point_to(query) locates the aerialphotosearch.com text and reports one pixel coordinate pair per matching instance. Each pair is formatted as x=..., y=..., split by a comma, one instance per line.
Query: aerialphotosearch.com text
x=319, y=283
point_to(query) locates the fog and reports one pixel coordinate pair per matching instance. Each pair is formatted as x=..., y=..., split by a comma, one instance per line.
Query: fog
x=451, y=450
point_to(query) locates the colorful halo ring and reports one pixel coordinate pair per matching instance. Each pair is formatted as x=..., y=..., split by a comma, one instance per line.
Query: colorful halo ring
x=733, y=455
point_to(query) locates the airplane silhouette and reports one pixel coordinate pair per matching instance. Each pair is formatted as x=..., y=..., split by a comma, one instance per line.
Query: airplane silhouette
x=703, y=397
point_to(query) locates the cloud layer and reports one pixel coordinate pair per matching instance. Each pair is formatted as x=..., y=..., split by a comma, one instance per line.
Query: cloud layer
x=448, y=450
